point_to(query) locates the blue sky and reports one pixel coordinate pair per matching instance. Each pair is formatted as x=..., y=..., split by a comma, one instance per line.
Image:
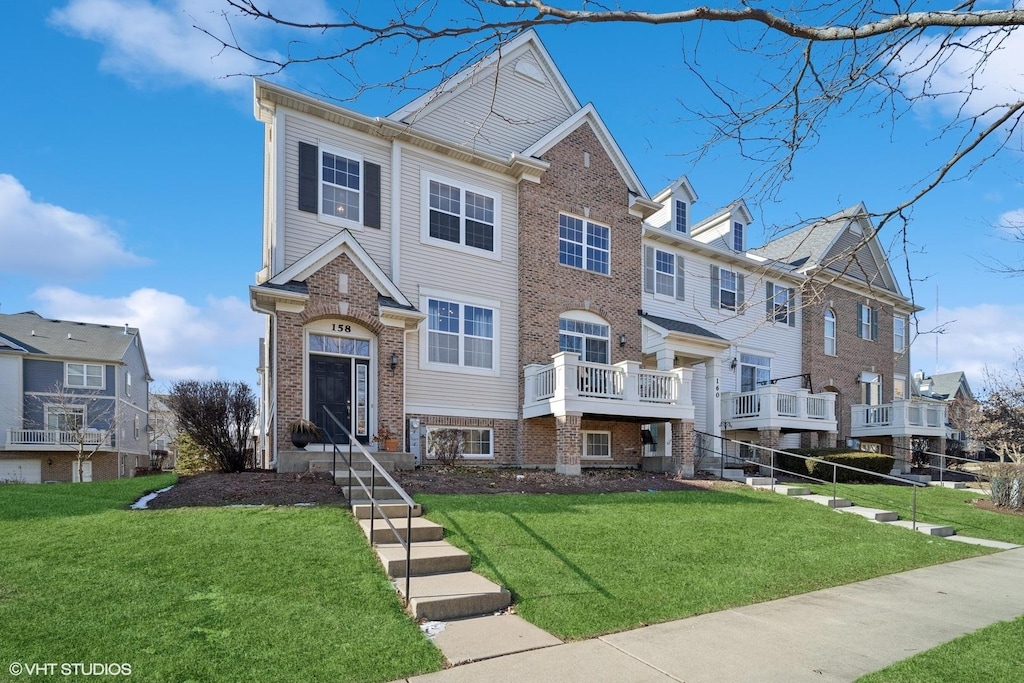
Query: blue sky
x=131, y=174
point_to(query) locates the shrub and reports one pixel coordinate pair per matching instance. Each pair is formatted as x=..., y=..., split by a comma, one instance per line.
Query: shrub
x=445, y=445
x=821, y=469
x=1006, y=484
x=191, y=458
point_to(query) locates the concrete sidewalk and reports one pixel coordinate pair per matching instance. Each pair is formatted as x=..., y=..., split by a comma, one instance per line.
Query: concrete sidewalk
x=836, y=634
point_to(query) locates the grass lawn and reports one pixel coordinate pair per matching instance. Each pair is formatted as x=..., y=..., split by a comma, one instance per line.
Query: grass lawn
x=196, y=594
x=582, y=565
x=936, y=505
x=992, y=654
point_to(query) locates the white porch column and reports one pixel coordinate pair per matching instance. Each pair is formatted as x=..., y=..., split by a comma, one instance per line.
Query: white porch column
x=666, y=361
x=713, y=410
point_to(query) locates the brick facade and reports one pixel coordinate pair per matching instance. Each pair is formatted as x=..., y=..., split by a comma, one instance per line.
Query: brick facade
x=583, y=182
x=59, y=465
x=338, y=291
x=505, y=437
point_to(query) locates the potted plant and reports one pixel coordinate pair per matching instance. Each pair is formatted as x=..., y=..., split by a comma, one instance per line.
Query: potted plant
x=302, y=432
x=387, y=439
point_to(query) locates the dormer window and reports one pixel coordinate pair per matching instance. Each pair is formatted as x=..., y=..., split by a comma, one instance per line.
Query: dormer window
x=737, y=236
x=679, y=216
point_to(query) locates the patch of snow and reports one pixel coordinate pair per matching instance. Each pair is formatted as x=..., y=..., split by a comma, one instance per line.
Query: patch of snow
x=143, y=503
x=432, y=628
x=304, y=505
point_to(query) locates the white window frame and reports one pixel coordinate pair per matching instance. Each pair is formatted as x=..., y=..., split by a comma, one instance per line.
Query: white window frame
x=85, y=376
x=463, y=188
x=781, y=309
x=830, y=319
x=722, y=289
x=685, y=227
x=136, y=427
x=871, y=388
x=899, y=381
x=899, y=338
x=128, y=384
x=466, y=437
x=585, y=247
x=586, y=446
x=864, y=324
x=345, y=222
x=587, y=319
x=747, y=362
x=738, y=240
x=494, y=306
x=52, y=410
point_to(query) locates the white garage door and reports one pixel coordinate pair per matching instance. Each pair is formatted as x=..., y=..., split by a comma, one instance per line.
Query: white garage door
x=22, y=471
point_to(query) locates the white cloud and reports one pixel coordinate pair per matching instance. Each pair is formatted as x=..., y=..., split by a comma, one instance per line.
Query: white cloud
x=976, y=337
x=150, y=39
x=27, y=227
x=1011, y=220
x=998, y=81
x=215, y=340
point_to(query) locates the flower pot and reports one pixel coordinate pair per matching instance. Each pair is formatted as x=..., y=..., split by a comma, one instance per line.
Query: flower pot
x=391, y=445
x=300, y=439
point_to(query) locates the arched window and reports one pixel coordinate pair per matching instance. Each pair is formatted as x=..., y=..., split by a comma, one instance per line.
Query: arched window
x=584, y=333
x=830, y=332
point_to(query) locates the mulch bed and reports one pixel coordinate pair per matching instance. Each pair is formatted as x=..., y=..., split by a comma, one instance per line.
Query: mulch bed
x=272, y=488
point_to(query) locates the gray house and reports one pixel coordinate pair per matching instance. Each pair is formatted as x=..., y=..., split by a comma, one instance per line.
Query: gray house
x=70, y=389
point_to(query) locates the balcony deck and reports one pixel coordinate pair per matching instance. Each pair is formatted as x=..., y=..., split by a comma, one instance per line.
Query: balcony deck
x=570, y=386
x=899, y=418
x=771, y=407
x=51, y=439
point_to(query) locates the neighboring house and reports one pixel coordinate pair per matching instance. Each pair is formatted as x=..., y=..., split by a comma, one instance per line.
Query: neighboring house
x=735, y=319
x=163, y=433
x=953, y=389
x=856, y=333
x=68, y=385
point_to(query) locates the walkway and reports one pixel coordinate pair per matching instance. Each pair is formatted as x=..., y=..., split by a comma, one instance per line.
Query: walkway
x=836, y=634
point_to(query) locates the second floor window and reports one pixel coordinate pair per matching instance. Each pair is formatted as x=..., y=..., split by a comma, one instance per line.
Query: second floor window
x=899, y=334
x=867, y=322
x=589, y=340
x=728, y=290
x=585, y=245
x=340, y=186
x=830, y=332
x=664, y=273
x=780, y=303
x=460, y=334
x=84, y=376
x=460, y=216
x=755, y=371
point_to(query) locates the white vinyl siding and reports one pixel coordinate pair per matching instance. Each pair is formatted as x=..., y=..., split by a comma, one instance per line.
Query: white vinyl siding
x=304, y=231
x=499, y=122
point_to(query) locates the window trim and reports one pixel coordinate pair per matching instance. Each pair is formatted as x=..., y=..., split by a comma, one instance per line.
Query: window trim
x=586, y=317
x=651, y=273
x=741, y=363
x=465, y=456
x=463, y=187
x=351, y=156
x=128, y=384
x=685, y=230
x=584, y=454
x=898, y=379
x=462, y=300
x=902, y=336
x=871, y=313
x=832, y=338
x=738, y=236
x=787, y=309
x=54, y=409
x=85, y=376
x=585, y=247
x=723, y=289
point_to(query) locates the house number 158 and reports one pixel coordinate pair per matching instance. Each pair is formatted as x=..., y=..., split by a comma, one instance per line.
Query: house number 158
x=341, y=328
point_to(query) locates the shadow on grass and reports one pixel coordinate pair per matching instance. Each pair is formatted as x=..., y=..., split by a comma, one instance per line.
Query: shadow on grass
x=544, y=503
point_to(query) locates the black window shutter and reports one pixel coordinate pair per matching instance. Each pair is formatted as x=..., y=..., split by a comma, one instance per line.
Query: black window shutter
x=371, y=195
x=715, y=287
x=309, y=177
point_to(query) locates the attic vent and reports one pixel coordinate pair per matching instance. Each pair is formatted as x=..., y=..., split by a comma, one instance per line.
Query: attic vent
x=526, y=68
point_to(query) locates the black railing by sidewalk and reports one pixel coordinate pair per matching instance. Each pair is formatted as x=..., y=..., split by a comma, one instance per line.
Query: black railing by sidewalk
x=723, y=455
x=916, y=455
x=375, y=506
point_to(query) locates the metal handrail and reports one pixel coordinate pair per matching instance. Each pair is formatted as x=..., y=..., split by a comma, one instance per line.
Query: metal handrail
x=375, y=507
x=835, y=470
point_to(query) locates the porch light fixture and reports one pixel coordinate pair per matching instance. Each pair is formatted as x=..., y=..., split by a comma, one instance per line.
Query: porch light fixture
x=622, y=340
x=732, y=365
x=49, y=462
x=393, y=361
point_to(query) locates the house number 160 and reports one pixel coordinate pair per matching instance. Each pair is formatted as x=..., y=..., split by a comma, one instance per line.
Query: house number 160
x=341, y=328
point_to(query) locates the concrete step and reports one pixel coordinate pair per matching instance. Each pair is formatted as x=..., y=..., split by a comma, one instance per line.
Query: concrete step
x=873, y=514
x=380, y=492
x=786, y=490
x=387, y=460
x=394, y=509
x=929, y=529
x=827, y=501
x=949, y=484
x=431, y=557
x=422, y=530
x=1001, y=545
x=734, y=475
x=450, y=596
x=920, y=478
x=760, y=481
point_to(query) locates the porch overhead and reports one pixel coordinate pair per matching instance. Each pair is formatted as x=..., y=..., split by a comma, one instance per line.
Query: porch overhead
x=569, y=386
x=679, y=337
x=900, y=418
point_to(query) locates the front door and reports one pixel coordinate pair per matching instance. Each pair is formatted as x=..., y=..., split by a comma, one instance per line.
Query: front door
x=332, y=388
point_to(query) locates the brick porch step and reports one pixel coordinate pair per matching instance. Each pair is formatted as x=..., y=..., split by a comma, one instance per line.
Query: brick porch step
x=449, y=596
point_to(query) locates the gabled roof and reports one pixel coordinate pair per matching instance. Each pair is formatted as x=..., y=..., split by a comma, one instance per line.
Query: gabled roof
x=670, y=325
x=843, y=243
x=589, y=115
x=289, y=279
x=442, y=93
x=738, y=206
x=945, y=385
x=67, y=339
x=682, y=182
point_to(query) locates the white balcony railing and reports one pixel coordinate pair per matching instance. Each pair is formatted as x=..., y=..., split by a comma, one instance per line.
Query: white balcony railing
x=899, y=418
x=53, y=437
x=771, y=407
x=569, y=385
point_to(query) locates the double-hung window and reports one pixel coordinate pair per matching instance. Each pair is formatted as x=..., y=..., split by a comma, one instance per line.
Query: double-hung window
x=728, y=290
x=867, y=322
x=679, y=217
x=780, y=304
x=664, y=273
x=830, y=332
x=737, y=236
x=84, y=376
x=340, y=185
x=899, y=334
x=755, y=371
x=460, y=335
x=588, y=339
x=459, y=215
x=584, y=245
